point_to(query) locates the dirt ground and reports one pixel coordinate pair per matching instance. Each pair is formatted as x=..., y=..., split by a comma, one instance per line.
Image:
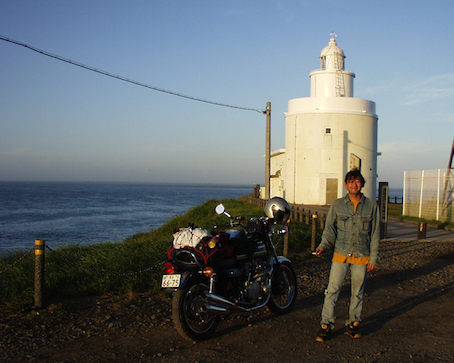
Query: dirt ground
x=407, y=317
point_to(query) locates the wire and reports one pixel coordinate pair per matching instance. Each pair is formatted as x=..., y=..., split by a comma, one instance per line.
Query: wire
x=123, y=78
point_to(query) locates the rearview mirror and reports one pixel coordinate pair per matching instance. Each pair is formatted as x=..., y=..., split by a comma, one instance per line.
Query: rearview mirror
x=220, y=209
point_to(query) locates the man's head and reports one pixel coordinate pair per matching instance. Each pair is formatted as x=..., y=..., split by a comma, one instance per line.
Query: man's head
x=354, y=182
x=354, y=174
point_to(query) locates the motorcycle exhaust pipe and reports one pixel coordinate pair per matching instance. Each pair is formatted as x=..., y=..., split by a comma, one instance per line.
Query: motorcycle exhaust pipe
x=223, y=306
x=219, y=300
x=216, y=310
x=223, y=303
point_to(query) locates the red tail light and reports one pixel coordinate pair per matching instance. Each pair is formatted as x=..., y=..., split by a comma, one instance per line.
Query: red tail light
x=169, y=268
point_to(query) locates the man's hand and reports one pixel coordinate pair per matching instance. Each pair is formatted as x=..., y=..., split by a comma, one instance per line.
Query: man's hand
x=371, y=267
x=318, y=252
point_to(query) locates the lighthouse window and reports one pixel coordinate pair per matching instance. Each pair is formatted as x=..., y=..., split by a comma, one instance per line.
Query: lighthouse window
x=328, y=131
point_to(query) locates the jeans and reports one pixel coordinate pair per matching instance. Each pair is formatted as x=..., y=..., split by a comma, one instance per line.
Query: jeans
x=336, y=279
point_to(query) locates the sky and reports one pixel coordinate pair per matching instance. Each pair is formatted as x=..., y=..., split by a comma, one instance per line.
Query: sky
x=60, y=122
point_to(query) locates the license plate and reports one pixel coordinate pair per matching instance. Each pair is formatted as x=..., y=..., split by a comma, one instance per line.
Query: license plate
x=171, y=280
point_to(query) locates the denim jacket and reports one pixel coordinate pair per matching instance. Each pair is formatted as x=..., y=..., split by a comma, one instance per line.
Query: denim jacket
x=353, y=233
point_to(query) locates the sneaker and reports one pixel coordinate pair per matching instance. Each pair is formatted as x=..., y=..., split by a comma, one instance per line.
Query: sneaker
x=324, y=334
x=353, y=330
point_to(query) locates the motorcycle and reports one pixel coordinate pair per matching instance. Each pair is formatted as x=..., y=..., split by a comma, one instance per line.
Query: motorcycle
x=218, y=273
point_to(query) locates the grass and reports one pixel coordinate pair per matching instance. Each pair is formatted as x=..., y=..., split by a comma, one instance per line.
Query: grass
x=395, y=212
x=132, y=266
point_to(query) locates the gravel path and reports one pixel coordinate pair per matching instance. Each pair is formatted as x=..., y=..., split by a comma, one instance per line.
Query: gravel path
x=407, y=317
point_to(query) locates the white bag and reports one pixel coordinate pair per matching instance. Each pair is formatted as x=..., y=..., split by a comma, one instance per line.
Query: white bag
x=188, y=237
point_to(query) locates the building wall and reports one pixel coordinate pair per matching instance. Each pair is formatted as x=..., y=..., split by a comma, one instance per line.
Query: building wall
x=312, y=155
x=323, y=83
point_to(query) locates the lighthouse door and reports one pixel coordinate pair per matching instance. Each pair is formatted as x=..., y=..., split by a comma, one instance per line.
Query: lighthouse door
x=331, y=191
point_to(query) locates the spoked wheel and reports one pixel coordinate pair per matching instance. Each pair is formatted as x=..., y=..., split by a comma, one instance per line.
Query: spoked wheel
x=283, y=289
x=189, y=316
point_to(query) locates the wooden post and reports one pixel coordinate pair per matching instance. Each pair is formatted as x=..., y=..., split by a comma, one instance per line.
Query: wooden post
x=314, y=232
x=322, y=222
x=39, y=272
x=422, y=230
x=308, y=217
x=286, y=239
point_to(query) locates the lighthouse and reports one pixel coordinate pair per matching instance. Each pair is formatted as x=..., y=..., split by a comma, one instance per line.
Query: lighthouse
x=326, y=135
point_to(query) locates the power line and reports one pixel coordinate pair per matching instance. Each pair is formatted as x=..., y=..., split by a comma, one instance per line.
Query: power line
x=123, y=78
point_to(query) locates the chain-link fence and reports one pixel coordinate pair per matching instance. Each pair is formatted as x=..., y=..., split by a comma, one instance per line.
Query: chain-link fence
x=428, y=194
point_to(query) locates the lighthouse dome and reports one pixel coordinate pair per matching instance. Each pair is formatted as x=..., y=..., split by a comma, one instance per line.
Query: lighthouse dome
x=332, y=57
x=332, y=49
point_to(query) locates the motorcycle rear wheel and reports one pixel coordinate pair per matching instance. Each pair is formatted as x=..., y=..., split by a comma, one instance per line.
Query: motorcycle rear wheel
x=189, y=317
x=283, y=289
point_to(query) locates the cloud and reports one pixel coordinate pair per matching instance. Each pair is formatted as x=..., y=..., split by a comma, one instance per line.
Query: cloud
x=427, y=90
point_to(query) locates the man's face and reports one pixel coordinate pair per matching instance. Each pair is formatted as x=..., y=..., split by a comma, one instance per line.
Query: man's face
x=353, y=185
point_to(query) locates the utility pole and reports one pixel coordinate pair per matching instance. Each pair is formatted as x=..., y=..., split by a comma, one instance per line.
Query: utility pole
x=268, y=151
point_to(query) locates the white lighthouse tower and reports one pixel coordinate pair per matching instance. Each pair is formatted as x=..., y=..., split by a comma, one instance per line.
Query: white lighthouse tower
x=326, y=135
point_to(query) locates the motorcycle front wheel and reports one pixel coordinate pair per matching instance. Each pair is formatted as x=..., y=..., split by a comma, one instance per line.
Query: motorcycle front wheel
x=188, y=314
x=283, y=289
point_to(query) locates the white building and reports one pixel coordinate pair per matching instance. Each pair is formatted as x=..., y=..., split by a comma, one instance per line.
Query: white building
x=326, y=135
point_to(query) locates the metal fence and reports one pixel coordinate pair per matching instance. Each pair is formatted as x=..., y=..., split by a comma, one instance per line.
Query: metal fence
x=428, y=194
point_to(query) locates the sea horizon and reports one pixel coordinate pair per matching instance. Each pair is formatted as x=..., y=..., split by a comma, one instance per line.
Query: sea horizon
x=84, y=213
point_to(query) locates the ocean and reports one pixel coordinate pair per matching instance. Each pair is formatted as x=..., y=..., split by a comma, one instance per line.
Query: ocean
x=86, y=213
x=395, y=195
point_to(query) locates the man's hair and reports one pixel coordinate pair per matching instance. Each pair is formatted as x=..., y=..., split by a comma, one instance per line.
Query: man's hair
x=354, y=174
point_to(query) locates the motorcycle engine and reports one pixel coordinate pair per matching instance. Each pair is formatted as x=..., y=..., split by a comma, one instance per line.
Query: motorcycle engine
x=254, y=291
x=249, y=283
x=259, y=282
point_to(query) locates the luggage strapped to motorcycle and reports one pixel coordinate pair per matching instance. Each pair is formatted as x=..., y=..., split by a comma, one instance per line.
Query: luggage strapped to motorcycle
x=202, y=251
x=188, y=236
x=196, y=241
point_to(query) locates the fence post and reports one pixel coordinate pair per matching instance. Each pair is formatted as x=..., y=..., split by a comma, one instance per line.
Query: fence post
x=39, y=272
x=322, y=222
x=314, y=231
x=422, y=230
x=308, y=217
x=286, y=239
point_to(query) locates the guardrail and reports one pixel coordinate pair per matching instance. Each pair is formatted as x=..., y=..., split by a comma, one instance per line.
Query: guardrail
x=395, y=200
x=299, y=212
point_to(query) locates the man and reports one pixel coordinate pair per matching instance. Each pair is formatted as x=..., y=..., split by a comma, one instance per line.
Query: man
x=352, y=228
